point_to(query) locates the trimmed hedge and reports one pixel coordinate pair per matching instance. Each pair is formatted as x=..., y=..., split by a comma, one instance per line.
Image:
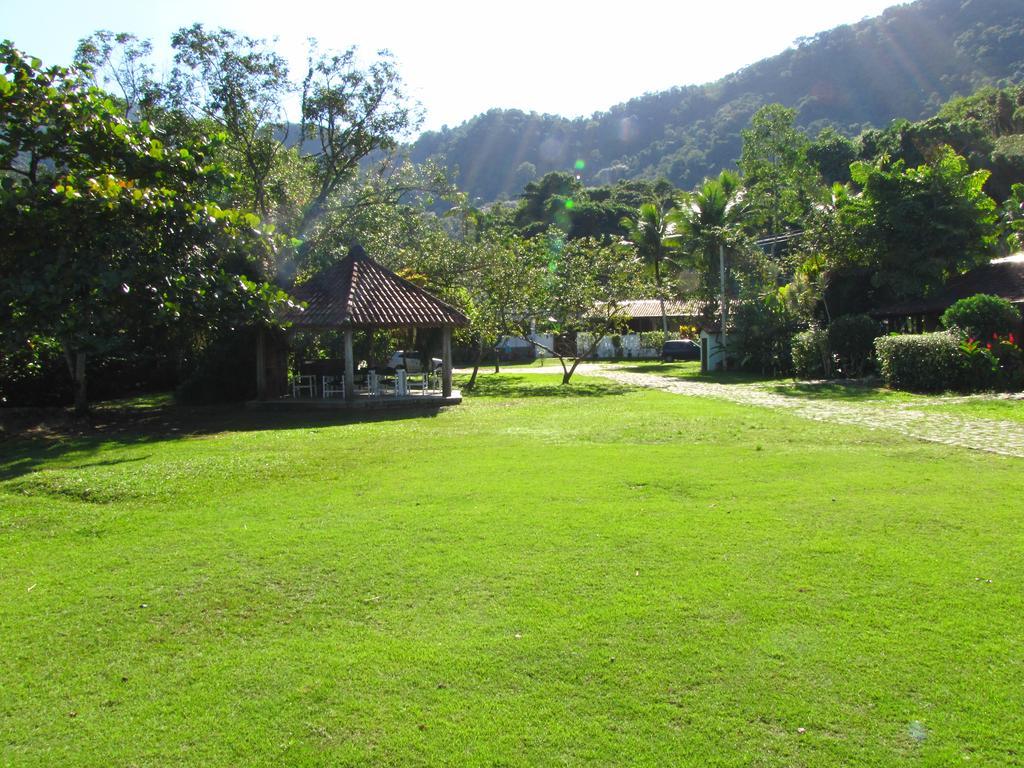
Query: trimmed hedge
x=851, y=338
x=927, y=362
x=811, y=356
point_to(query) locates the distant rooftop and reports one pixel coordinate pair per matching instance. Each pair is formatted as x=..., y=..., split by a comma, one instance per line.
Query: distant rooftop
x=1000, y=277
x=640, y=308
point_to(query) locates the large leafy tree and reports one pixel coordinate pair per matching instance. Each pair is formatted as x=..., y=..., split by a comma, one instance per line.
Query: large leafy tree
x=237, y=84
x=295, y=172
x=914, y=227
x=106, y=229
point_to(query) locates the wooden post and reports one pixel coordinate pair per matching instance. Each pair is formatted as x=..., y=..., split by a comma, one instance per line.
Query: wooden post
x=350, y=368
x=261, y=364
x=446, y=362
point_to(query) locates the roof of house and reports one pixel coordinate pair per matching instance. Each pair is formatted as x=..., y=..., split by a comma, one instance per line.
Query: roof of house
x=1000, y=277
x=357, y=292
x=652, y=308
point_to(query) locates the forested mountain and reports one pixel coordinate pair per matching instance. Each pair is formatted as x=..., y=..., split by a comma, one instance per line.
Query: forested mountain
x=903, y=64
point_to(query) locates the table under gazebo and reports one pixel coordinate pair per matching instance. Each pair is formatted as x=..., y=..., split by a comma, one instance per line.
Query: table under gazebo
x=359, y=294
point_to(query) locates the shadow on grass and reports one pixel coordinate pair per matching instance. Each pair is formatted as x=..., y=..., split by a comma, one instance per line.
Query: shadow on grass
x=691, y=372
x=533, y=385
x=847, y=391
x=31, y=437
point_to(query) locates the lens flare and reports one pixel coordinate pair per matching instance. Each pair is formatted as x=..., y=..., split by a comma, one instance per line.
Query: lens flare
x=580, y=165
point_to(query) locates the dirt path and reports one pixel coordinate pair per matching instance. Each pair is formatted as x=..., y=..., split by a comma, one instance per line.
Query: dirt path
x=1003, y=437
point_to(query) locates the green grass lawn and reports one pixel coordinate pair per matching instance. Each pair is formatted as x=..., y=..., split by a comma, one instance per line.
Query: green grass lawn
x=690, y=370
x=1000, y=410
x=542, y=576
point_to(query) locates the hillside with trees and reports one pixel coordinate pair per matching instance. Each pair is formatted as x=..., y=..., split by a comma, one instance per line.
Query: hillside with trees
x=904, y=64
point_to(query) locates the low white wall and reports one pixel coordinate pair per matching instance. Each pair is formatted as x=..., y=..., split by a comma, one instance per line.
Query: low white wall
x=606, y=349
x=509, y=343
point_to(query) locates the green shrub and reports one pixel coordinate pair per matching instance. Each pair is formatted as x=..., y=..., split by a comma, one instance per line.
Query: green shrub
x=982, y=316
x=851, y=338
x=981, y=368
x=764, y=331
x=811, y=356
x=927, y=362
x=1010, y=359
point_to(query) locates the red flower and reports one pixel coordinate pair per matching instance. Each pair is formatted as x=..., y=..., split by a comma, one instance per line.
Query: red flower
x=1011, y=339
x=989, y=345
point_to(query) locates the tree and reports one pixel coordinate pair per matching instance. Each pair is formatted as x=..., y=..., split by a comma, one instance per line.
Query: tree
x=237, y=83
x=543, y=203
x=348, y=112
x=580, y=290
x=831, y=154
x=915, y=227
x=502, y=287
x=654, y=233
x=1011, y=218
x=107, y=230
x=118, y=59
x=708, y=221
x=782, y=183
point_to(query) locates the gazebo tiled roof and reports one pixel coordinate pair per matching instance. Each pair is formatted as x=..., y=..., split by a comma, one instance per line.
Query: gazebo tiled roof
x=359, y=293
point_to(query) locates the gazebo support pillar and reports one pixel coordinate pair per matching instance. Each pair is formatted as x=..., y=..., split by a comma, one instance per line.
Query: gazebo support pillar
x=350, y=368
x=446, y=362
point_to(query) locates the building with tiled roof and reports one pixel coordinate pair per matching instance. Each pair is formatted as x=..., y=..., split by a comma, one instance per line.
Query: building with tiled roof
x=1002, y=277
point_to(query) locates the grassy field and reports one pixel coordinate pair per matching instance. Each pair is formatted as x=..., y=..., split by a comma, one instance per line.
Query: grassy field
x=542, y=576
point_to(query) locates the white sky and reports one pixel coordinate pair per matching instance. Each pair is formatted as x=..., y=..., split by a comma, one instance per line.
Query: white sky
x=461, y=58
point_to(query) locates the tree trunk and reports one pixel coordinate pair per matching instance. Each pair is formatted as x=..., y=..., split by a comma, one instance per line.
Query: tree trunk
x=76, y=360
x=661, y=296
x=476, y=365
x=568, y=372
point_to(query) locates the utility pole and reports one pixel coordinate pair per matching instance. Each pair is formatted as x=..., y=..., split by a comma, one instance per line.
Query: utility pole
x=724, y=307
x=661, y=296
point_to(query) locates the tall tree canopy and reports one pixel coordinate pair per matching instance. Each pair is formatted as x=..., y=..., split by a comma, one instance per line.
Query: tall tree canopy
x=108, y=230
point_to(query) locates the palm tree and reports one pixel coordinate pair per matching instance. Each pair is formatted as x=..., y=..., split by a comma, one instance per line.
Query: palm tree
x=654, y=233
x=705, y=218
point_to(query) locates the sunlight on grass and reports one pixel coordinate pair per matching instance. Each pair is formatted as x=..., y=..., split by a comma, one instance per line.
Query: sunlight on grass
x=543, y=575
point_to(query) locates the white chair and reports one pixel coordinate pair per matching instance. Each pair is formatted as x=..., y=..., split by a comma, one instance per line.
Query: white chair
x=304, y=383
x=401, y=383
x=332, y=385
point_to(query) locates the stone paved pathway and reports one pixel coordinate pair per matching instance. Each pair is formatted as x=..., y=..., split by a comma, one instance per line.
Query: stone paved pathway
x=1003, y=437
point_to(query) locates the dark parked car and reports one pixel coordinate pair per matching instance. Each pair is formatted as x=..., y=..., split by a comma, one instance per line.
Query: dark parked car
x=680, y=349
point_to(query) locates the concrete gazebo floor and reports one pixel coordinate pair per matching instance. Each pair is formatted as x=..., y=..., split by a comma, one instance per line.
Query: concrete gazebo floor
x=362, y=401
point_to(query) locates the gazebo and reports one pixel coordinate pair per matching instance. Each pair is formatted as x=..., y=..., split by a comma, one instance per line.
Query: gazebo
x=357, y=294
